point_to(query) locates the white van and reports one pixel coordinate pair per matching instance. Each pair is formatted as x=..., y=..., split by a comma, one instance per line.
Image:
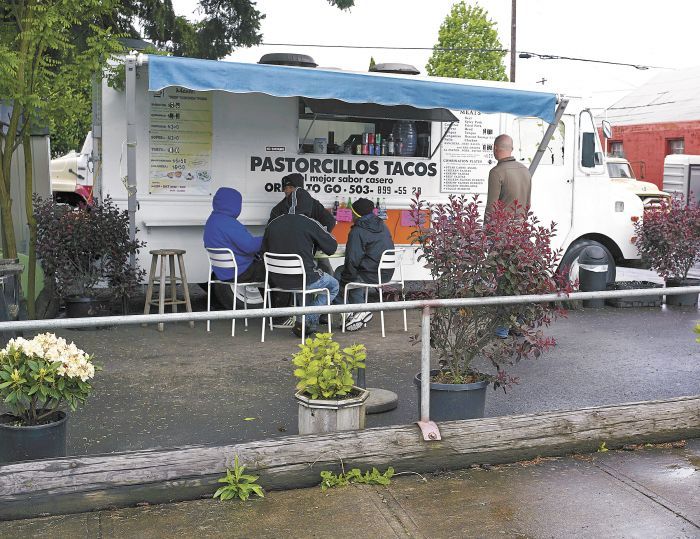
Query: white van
x=71, y=175
x=186, y=127
x=682, y=176
x=621, y=173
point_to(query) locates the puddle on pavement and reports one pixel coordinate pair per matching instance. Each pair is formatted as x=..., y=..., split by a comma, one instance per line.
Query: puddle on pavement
x=681, y=472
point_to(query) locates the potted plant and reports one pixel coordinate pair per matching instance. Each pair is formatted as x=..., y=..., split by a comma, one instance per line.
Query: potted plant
x=668, y=238
x=38, y=377
x=87, y=252
x=328, y=398
x=509, y=254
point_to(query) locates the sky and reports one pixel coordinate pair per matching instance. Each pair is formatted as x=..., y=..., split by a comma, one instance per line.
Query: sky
x=639, y=32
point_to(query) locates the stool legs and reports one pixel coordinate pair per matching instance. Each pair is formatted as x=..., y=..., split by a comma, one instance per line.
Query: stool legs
x=149, y=290
x=173, y=282
x=166, y=258
x=161, y=290
x=185, y=287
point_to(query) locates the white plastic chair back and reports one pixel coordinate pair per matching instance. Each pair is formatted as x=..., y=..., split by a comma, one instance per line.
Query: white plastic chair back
x=221, y=258
x=392, y=259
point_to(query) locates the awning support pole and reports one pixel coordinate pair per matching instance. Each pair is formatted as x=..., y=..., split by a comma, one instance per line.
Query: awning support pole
x=548, y=135
x=443, y=138
x=301, y=142
x=130, y=66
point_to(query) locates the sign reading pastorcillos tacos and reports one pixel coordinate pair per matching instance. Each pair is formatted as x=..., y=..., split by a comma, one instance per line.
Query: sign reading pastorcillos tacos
x=180, y=142
x=342, y=174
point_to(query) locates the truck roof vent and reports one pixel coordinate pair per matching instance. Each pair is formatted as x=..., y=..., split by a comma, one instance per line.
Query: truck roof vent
x=288, y=59
x=400, y=69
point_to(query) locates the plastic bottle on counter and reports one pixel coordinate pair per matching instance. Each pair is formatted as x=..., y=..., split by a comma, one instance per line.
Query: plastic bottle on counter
x=336, y=205
x=382, y=210
x=390, y=144
x=349, y=206
x=405, y=130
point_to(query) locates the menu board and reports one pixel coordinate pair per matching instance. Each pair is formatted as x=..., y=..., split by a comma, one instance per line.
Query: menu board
x=467, y=152
x=180, y=142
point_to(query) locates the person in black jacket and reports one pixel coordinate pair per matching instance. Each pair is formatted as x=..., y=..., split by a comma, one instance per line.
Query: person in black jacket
x=297, y=233
x=368, y=239
x=290, y=184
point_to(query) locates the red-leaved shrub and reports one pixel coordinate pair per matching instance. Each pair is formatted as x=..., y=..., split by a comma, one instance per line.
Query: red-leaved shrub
x=668, y=238
x=509, y=254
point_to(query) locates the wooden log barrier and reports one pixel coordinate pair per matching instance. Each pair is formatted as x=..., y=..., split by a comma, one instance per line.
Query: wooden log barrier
x=76, y=484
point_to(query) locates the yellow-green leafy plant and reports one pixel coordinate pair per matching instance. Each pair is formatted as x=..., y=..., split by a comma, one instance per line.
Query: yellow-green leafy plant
x=324, y=370
x=697, y=330
x=374, y=477
x=238, y=484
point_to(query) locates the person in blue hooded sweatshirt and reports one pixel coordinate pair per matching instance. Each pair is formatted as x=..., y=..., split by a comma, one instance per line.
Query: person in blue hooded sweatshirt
x=223, y=231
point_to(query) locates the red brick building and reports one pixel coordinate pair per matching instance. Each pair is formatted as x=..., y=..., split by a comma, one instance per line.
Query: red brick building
x=659, y=118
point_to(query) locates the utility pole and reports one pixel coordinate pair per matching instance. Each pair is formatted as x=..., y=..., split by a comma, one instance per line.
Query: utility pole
x=512, y=41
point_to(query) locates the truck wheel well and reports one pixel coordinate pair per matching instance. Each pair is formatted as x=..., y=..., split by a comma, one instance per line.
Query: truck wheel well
x=609, y=244
x=72, y=199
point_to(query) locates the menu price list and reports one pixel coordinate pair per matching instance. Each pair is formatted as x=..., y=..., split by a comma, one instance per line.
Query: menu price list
x=467, y=152
x=180, y=142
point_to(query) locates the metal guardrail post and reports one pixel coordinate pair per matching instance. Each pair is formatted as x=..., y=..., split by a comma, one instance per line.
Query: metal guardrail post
x=428, y=428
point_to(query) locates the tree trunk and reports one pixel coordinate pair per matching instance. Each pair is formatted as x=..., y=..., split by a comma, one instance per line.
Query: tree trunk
x=7, y=149
x=31, y=222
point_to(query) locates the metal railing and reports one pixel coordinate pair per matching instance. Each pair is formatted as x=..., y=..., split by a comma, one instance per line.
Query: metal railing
x=430, y=431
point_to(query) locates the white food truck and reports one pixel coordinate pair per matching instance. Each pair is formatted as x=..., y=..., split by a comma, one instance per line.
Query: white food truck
x=185, y=127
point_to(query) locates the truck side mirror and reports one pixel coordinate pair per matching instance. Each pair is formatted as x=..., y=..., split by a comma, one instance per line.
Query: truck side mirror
x=607, y=129
x=588, y=157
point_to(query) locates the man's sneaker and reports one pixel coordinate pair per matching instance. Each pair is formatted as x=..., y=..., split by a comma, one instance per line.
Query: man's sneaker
x=310, y=330
x=284, y=323
x=357, y=321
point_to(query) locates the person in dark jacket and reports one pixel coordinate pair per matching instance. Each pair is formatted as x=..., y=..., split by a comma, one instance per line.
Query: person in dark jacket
x=297, y=233
x=223, y=230
x=369, y=237
x=291, y=183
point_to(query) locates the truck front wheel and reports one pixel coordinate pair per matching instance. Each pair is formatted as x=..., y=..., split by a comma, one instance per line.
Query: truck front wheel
x=569, y=261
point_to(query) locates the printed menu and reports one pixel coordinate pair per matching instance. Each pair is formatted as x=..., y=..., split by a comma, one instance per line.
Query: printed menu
x=180, y=142
x=467, y=152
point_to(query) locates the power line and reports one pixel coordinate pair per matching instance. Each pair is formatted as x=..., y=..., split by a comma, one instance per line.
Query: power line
x=521, y=54
x=321, y=46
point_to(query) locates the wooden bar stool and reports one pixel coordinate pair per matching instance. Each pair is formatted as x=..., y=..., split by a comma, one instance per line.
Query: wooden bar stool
x=163, y=255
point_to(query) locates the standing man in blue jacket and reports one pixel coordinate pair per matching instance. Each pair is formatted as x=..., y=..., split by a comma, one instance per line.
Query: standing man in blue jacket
x=223, y=231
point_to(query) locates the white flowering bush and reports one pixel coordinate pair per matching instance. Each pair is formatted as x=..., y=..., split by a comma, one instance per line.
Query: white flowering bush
x=39, y=376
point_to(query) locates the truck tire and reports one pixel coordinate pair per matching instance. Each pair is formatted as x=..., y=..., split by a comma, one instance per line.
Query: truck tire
x=570, y=259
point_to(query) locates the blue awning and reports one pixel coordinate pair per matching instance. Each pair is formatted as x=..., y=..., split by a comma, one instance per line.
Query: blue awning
x=283, y=81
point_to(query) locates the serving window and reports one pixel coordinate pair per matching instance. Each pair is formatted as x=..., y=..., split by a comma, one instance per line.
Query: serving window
x=329, y=126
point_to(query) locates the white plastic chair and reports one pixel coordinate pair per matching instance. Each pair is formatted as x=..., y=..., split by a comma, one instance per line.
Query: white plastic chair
x=224, y=258
x=288, y=264
x=392, y=259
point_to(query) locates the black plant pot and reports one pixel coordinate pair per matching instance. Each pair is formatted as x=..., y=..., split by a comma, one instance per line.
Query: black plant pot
x=79, y=307
x=682, y=300
x=32, y=443
x=449, y=402
x=638, y=301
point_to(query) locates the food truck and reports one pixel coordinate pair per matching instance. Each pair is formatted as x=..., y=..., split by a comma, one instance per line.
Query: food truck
x=184, y=127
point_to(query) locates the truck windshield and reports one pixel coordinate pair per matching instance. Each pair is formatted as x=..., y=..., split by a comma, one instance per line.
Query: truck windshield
x=620, y=170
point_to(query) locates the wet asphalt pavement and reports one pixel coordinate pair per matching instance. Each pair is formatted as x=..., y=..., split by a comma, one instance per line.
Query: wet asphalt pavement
x=186, y=386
